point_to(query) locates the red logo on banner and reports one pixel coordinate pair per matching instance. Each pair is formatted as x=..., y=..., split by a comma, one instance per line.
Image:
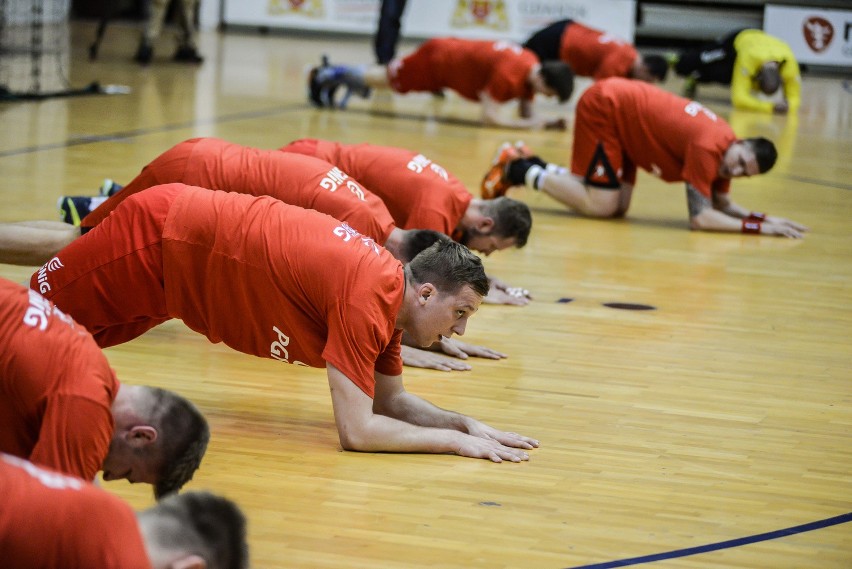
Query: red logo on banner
x=296, y=4
x=818, y=33
x=480, y=9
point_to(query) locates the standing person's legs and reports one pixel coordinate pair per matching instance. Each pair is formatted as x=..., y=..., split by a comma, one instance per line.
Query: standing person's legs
x=188, y=49
x=153, y=27
x=387, y=33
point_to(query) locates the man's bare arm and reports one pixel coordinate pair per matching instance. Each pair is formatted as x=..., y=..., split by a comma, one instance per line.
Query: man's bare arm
x=396, y=421
x=724, y=215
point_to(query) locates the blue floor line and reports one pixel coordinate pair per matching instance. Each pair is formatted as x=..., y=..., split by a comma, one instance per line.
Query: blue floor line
x=842, y=519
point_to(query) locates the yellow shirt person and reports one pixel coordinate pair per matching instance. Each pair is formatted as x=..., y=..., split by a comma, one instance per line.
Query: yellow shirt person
x=754, y=49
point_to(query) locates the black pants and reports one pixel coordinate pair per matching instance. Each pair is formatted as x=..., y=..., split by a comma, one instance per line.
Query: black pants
x=710, y=63
x=546, y=42
x=387, y=34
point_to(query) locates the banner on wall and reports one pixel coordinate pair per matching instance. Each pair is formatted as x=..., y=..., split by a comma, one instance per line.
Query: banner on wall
x=816, y=35
x=476, y=19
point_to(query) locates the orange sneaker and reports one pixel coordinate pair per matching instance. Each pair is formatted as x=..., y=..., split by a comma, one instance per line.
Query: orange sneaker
x=495, y=184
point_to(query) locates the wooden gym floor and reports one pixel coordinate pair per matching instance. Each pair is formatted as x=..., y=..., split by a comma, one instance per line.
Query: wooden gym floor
x=724, y=414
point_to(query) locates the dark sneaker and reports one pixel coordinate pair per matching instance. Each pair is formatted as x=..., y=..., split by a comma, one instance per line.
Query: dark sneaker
x=324, y=81
x=144, y=54
x=73, y=209
x=318, y=87
x=187, y=54
x=109, y=187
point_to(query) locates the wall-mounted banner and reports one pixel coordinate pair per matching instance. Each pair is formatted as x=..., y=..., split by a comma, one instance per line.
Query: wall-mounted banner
x=482, y=19
x=816, y=35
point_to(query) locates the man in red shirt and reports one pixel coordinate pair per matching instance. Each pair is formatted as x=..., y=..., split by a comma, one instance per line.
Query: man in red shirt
x=220, y=165
x=490, y=72
x=53, y=521
x=281, y=282
x=622, y=125
x=420, y=194
x=62, y=407
x=593, y=53
x=295, y=179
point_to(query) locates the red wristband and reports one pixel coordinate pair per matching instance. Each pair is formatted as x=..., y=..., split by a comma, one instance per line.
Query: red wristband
x=751, y=226
x=756, y=216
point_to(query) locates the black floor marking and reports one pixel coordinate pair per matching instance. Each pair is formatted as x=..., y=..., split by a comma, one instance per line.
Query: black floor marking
x=819, y=182
x=628, y=306
x=280, y=109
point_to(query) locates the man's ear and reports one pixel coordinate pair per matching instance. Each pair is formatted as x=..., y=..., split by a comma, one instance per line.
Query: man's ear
x=425, y=292
x=485, y=225
x=189, y=562
x=141, y=435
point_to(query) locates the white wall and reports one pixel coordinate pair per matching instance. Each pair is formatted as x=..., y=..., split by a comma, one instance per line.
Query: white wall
x=485, y=19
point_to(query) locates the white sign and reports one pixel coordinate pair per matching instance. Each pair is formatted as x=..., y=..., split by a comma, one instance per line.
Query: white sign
x=512, y=20
x=816, y=35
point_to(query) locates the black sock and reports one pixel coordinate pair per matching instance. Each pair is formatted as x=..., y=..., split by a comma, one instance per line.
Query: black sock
x=517, y=171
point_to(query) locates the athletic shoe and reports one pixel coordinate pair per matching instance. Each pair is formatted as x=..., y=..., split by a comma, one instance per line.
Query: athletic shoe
x=320, y=88
x=74, y=208
x=494, y=183
x=188, y=54
x=109, y=187
x=324, y=80
x=523, y=150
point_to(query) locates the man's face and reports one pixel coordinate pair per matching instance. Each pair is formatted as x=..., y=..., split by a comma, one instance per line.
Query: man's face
x=486, y=243
x=739, y=160
x=128, y=460
x=440, y=314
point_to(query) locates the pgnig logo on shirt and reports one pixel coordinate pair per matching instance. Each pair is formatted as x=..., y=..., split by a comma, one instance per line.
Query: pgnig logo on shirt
x=52, y=265
x=278, y=348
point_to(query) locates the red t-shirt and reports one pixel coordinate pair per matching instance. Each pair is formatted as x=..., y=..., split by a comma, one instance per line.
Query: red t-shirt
x=592, y=53
x=419, y=193
x=468, y=67
x=673, y=138
x=278, y=281
x=56, y=387
x=52, y=521
x=297, y=180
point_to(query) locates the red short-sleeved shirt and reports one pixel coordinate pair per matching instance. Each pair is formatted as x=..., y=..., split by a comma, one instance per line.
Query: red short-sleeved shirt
x=264, y=277
x=303, y=181
x=592, y=53
x=641, y=125
x=468, y=67
x=56, y=387
x=419, y=193
x=52, y=521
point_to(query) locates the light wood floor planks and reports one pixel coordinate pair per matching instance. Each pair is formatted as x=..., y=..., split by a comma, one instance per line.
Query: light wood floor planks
x=724, y=413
